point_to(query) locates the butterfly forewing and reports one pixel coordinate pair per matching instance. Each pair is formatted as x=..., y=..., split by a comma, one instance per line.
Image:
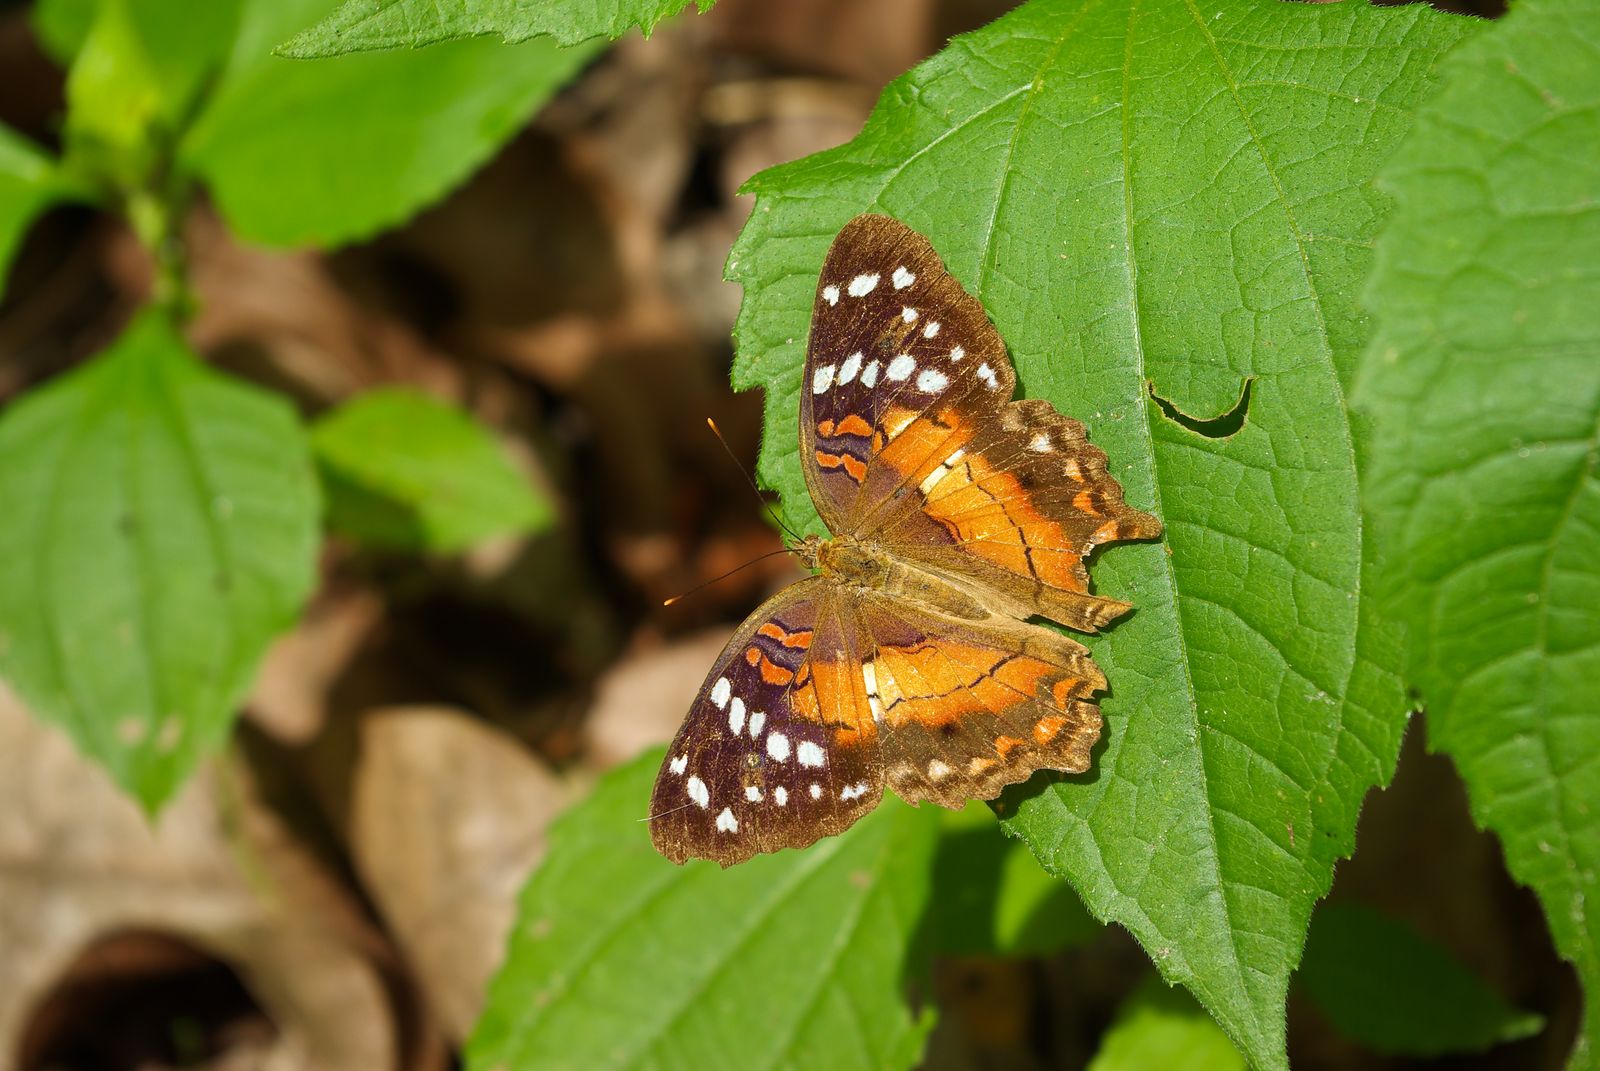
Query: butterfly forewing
x=779, y=748
x=936, y=462
x=893, y=337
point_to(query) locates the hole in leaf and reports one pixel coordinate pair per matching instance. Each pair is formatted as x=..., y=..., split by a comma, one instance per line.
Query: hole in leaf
x=1217, y=427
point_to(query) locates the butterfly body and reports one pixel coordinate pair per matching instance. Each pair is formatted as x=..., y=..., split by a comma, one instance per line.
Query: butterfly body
x=908, y=660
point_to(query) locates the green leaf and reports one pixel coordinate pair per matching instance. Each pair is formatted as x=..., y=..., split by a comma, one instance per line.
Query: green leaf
x=1155, y=193
x=1483, y=384
x=331, y=151
x=61, y=26
x=405, y=470
x=139, y=67
x=1165, y=1028
x=1385, y=985
x=29, y=183
x=364, y=25
x=161, y=528
x=994, y=899
x=619, y=959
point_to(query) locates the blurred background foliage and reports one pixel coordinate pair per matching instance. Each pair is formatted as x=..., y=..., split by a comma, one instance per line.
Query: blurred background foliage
x=353, y=436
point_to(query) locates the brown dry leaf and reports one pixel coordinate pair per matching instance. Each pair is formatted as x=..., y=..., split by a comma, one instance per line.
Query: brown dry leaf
x=641, y=701
x=294, y=688
x=448, y=820
x=216, y=873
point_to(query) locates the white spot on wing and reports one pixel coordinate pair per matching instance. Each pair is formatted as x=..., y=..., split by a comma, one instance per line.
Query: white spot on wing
x=680, y=764
x=932, y=479
x=895, y=425
x=901, y=367
x=810, y=754
x=726, y=822
x=869, y=378
x=852, y=792
x=1040, y=444
x=902, y=278
x=986, y=374
x=938, y=770
x=720, y=692
x=757, y=720
x=830, y=294
x=781, y=794
x=932, y=381
x=778, y=747
x=848, y=370
x=908, y=314
x=815, y=791
x=956, y=353
x=752, y=793
x=736, y=717
x=931, y=330
x=698, y=792
x=862, y=285
x=822, y=379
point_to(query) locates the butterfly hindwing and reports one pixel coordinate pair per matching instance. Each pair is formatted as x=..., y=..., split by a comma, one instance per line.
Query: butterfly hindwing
x=966, y=707
x=779, y=748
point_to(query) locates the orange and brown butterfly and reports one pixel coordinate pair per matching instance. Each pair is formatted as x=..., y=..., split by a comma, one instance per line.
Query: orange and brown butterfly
x=908, y=660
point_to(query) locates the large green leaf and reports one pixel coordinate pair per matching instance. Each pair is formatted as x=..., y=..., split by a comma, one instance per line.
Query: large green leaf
x=1155, y=193
x=29, y=183
x=1385, y=985
x=405, y=470
x=363, y=25
x=329, y=151
x=161, y=528
x=1483, y=382
x=621, y=960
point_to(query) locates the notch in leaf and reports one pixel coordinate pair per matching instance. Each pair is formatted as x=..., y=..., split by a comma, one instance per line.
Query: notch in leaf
x=1221, y=426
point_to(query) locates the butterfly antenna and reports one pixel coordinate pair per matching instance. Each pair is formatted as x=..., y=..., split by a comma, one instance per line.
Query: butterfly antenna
x=724, y=576
x=792, y=534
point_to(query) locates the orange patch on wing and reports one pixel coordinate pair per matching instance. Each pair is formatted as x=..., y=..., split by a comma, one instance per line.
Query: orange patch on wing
x=799, y=638
x=989, y=511
x=855, y=468
x=1005, y=745
x=923, y=444
x=833, y=694
x=943, y=682
x=771, y=672
x=854, y=425
x=1065, y=689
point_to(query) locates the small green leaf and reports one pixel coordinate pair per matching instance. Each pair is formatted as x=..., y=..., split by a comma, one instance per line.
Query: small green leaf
x=1385, y=985
x=621, y=960
x=61, y=26
x=364, y=25
x=1483, y=385
x=161, y=528
x=1164, y=1028
x=1153, y=192
x=113, y=101
x=134, y=79
x=405, y=470
x=30, y=182
x=994, y=899
x=331, y=151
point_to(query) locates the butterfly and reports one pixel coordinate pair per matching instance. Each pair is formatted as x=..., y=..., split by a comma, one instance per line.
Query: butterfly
x=908, y=660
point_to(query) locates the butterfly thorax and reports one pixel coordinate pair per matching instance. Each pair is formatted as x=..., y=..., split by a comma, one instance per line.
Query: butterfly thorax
x=848, y=560
x=864, y=564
